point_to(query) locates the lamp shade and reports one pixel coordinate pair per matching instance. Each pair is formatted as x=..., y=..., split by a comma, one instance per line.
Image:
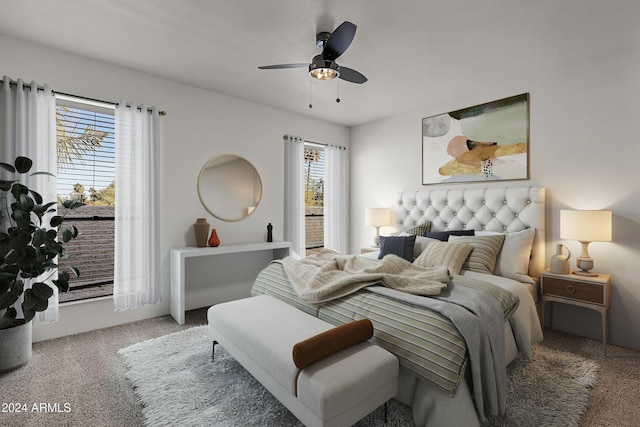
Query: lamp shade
x=585, y=226
x=378, y=217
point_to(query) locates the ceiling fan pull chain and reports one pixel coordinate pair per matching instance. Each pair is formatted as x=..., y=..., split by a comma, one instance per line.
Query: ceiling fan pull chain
x=310, y=105
x=338, y=98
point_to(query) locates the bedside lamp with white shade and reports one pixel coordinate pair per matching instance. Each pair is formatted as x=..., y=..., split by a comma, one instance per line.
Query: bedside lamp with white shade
x=585, y=227
x=378, y=217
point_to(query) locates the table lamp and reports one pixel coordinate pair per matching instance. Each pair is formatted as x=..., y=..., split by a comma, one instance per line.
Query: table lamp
x=585, y=227
x=378, y=217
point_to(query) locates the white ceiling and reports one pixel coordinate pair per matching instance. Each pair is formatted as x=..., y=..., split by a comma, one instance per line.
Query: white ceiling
x=407, y=48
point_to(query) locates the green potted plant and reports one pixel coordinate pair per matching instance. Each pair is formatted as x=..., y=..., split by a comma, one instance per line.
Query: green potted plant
x=29, y=247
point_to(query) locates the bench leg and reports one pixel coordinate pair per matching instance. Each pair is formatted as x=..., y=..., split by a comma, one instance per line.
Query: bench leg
x=386, y=419
x=213, y=349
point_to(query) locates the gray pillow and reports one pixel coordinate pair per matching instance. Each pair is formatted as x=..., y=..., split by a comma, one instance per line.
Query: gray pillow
x=401, y=246
x=444, y=235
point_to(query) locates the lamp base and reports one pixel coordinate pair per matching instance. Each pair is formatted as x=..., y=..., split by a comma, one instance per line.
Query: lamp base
x=584, y=273
x=584, y=263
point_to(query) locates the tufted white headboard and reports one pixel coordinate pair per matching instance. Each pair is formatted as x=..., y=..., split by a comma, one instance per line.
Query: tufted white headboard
x=504, y=210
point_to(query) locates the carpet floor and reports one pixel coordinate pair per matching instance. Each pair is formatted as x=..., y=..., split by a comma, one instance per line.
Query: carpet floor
x=85, y=372
x=184, y=387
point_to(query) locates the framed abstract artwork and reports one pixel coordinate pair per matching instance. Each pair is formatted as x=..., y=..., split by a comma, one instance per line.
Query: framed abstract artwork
x=487, y=142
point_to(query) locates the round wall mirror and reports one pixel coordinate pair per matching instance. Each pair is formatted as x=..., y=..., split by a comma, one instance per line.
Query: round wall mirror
x=229, y=187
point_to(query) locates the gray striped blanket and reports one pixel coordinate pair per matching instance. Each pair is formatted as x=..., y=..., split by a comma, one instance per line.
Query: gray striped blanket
x=426, y=342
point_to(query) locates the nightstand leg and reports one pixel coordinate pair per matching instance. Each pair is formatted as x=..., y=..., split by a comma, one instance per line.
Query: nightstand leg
x=605, y=330
x=551, y=314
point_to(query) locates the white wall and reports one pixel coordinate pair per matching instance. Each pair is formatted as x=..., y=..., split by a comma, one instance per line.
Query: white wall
x=199, y=124
x=584, y=148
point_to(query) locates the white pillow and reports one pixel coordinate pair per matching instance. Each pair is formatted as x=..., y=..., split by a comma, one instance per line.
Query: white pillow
x=513, y=259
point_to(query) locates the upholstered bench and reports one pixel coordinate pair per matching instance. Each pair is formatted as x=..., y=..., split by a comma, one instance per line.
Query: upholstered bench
x=338, y=390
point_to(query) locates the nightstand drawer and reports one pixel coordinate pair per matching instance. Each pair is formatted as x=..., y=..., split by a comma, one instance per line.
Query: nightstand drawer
x=583, y=291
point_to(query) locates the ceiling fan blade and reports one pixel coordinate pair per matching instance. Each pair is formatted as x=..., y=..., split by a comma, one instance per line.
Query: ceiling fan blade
x=280, y=66
x=351, y=75
x=339, y=41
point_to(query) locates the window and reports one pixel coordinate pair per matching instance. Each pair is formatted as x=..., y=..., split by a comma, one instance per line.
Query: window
x=314, y=198
x=86, y=171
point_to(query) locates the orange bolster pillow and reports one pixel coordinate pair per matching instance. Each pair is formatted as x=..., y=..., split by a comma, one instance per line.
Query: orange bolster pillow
x=326, y=343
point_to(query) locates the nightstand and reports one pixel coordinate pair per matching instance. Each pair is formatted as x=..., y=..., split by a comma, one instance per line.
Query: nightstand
x=589, y=292
x=367, y=249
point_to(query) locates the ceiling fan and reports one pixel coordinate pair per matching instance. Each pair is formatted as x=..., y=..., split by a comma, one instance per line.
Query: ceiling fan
x=324, y=66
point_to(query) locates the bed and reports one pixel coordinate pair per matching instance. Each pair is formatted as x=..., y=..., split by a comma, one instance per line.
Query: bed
x=439, y=368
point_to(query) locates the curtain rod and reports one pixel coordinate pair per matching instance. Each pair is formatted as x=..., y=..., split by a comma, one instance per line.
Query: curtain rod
x=322, y=144
x=162, y=113
x=319, y=144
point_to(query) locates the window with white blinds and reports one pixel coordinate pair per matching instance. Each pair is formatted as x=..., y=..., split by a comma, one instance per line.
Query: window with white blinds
x=86, y=171
x=314, y=197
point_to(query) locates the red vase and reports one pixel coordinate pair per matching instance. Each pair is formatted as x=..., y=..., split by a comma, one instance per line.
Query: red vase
x=214, y=240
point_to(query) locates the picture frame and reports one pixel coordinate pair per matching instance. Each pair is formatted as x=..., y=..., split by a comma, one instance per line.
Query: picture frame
x=484, y=143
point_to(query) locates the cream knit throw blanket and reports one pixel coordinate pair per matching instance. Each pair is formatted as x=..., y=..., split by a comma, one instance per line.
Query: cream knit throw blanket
x=328, y=275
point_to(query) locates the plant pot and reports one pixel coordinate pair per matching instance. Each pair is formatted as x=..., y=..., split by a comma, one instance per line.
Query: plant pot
x=15, y=346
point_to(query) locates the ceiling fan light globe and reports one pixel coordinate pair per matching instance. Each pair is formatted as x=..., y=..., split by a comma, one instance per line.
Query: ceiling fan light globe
x=323, y=73
x=320, y=69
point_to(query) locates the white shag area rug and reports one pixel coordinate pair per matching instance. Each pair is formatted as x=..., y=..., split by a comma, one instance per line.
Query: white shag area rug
x=178, y=384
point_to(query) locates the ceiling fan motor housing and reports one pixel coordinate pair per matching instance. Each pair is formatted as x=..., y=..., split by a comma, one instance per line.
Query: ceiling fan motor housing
x=321, y=39
x=319, y=62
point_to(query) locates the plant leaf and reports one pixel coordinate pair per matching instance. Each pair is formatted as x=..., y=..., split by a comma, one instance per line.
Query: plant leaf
x=23, y=164
x=8, y=318
x=39, y=236
x=20, y=216
x=42, y=173
x=29, y=314
x=6, y=185
x=8, y=167
x=21, y=240
x=30, y=301
x=7, y=299
x=42, y=290
x=26, y=202
x=72, y=203
x=18, y=189
x=75, y=270
x=42, y=209
x=56, y=220
x=62, y=282
x=52, y=246
x=36, y=196
x=66, y=235
x=14, y=256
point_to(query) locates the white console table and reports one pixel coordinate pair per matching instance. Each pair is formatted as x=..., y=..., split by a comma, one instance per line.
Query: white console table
x=178, y=266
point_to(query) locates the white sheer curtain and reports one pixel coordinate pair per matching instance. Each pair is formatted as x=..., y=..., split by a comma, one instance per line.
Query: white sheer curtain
x=137, y=239
x=28, y=128
x=294, y=195
x=335, y=198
